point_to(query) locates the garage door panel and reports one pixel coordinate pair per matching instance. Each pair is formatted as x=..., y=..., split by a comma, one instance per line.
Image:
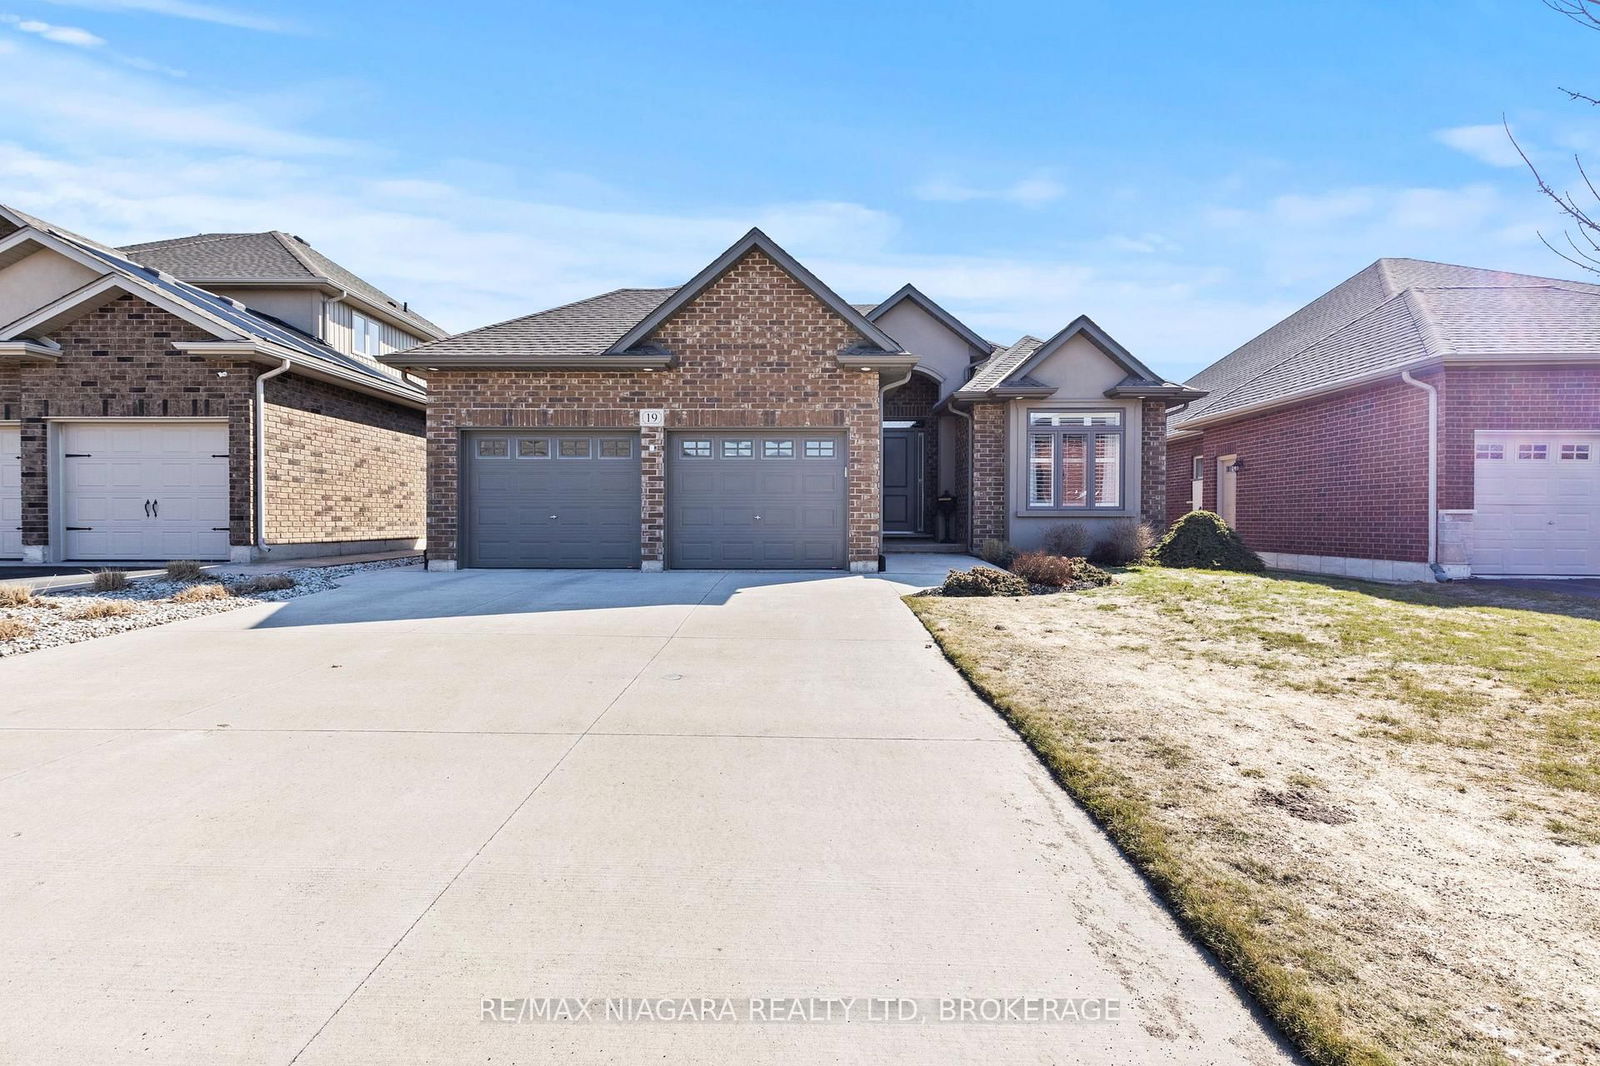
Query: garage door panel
x=1537, y=503
x=551, y=501
x=10, y=492
x=144, y=491
x=750, y=499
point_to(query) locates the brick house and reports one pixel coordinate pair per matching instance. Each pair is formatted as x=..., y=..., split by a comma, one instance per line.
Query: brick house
x=1419, y=420
x=144, y=417
x=752, y=419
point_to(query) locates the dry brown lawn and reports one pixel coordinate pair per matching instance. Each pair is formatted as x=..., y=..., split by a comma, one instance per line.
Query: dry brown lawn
x=1379, y=806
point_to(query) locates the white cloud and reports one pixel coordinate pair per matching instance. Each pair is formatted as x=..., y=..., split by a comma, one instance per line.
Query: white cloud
x=1487, y=144
x=71, y=35
x=1026, y=192
x=183, y=9
x=91, y=101
x=467, y=241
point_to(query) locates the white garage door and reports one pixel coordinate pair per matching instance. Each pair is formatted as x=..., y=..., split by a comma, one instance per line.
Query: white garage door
x=10, y=492
x=151, y=491
x=1538, y=504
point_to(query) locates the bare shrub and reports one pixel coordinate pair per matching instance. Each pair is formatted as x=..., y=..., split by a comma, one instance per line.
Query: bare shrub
x=996, y=552
x=101, y=609
x=184, y=570
x=12, y=629
x=1057, y=571
x=109, y=580
x=16, y=596
x=200, y=594
x=1122, y=543
x=1070, y=539
x=265, y=583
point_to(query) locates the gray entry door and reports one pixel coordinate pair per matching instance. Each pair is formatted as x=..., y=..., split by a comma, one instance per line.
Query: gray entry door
x=756, y=500
x=551, y=499
x=902, y=480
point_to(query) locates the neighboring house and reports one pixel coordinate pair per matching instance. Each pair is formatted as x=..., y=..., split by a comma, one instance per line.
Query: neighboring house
x=753, y=419
x=144, y=417
x=1418, y=420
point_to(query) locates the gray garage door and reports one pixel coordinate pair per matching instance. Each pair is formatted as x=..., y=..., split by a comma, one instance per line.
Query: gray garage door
x=768, y=500
x=551, y=499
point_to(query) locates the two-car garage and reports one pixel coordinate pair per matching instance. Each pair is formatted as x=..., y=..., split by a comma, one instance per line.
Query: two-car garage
x=730, y=499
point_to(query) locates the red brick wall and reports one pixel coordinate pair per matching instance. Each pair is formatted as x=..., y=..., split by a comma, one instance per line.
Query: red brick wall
x=117, y=361
x=754, y=349
x=1491, y=398
x=342, y=466
x=989, y=505
x=1345, y=475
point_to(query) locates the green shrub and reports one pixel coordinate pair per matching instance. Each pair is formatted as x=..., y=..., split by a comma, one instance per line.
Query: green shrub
x=1068, y=538
x=1122, y=543
x=184, y=570
x=982, y=581
x=1057, y=571
x=1201, y=540
x=996, y=552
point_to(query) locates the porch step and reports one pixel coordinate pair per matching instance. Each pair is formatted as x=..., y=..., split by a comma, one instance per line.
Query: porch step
x=920, y=544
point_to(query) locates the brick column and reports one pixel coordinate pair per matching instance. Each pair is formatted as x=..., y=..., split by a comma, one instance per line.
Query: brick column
x=989, y=473
x=652, y=497
x=1153, y=463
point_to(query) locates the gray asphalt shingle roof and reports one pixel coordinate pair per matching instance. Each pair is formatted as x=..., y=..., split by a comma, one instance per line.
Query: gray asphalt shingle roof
x=995, y=369
x=583, y=328
x=302, y=346
x=254, y=257
x=1394, y=313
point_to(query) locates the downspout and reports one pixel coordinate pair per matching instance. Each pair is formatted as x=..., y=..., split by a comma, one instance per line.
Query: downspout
x=1433, y=465
x=261, y=453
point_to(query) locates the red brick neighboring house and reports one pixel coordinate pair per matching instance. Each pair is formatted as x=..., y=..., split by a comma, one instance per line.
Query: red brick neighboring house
x=1419, y=420
x=144, y=418
x=753, y=419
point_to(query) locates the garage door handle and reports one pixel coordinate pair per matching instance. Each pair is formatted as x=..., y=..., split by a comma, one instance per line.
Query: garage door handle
x=147, y=508
x=77, y=455
x=79, y=529
x=155, y=508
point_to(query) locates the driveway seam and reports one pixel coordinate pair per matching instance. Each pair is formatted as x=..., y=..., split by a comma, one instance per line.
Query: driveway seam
x=497, y=829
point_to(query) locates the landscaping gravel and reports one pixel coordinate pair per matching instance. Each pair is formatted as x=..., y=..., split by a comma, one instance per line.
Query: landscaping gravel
x=51, y=615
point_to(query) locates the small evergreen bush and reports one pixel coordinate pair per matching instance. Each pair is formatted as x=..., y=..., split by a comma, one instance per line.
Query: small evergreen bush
x=1201, y=540
x=982, y=581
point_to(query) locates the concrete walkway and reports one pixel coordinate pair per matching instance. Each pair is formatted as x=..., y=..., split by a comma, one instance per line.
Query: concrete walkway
x=324, y=831
x=49, y=577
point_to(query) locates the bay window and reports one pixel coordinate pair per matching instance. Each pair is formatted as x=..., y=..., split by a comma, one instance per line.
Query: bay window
x=1075, y=460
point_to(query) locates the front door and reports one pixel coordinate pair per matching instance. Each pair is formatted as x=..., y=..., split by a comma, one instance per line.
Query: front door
x=902, y=480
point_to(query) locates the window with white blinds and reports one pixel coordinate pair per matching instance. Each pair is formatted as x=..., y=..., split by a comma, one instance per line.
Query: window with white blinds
x=1075, y=460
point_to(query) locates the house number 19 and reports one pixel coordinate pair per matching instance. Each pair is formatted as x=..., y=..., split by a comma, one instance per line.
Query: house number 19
x=653, y=416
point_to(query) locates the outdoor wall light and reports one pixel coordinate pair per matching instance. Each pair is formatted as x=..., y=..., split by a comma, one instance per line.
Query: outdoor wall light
x=1236, y=467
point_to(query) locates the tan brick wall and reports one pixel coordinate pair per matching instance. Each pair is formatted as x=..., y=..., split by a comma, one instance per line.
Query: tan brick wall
x=117, y=361
x=341, y=466
x=755, y=349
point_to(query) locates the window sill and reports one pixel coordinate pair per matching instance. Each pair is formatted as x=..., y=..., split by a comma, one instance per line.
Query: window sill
x=1074, y=512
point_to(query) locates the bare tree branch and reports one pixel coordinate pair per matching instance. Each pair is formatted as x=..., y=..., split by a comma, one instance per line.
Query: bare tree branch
x=1588, y=228
x=1583, y=12
x=1578, y=97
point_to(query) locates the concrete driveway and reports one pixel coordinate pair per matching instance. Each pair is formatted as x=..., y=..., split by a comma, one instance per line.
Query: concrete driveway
x=326, y=831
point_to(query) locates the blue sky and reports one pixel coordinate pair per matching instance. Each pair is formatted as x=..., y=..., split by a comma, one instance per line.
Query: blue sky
x=1184, y=173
